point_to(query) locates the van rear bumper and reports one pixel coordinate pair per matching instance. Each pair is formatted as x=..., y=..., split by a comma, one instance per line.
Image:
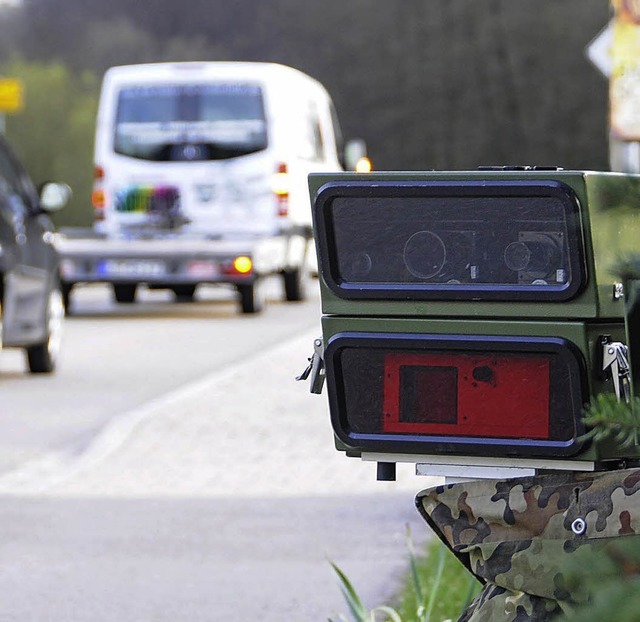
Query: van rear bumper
x=170, y=261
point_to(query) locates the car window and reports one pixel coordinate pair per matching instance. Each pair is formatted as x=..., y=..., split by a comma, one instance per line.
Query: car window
x=337, y=131
x=190, y=121
x=313, y=145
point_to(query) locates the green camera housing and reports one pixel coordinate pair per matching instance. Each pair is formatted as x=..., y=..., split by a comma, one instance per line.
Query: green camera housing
x=467, y=315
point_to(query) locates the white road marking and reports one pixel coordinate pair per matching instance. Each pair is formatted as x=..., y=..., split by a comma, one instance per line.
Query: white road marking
x=248, y=430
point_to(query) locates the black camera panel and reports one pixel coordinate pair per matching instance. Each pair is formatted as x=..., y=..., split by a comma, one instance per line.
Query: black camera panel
x=498, y=240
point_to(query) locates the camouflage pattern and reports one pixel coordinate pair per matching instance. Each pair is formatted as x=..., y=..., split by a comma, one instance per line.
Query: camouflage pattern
x=517, y=536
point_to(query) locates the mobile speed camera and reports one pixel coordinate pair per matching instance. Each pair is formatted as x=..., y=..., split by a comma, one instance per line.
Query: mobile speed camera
x=468, y=317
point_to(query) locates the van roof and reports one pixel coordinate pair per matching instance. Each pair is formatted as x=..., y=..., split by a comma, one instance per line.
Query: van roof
x=184, y=71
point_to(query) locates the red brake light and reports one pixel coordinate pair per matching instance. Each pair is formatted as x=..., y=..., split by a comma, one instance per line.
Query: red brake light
x=98, y=199
x=281, y=188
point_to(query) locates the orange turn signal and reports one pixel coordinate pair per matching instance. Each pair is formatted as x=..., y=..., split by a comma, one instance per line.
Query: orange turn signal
x=243, y=264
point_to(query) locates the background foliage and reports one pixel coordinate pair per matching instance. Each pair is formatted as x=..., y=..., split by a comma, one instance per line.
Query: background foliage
x=54, y=133
x=445, y=84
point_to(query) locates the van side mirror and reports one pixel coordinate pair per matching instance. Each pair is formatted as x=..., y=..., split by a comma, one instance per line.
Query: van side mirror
x=355, y=150
x=54, y=196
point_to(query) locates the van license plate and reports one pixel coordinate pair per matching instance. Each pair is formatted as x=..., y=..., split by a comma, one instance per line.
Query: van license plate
x=132, y=268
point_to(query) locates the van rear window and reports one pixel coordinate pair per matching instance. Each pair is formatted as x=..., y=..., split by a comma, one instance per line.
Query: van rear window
x=190, y=121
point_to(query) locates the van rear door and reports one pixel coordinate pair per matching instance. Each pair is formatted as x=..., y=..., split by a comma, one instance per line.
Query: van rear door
x=197, y=158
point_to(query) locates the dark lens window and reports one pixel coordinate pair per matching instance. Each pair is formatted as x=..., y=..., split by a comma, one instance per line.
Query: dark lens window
x=428, y=394
x=497, y=241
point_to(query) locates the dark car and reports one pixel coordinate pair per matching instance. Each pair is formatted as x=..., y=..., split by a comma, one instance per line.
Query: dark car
x=32, y=310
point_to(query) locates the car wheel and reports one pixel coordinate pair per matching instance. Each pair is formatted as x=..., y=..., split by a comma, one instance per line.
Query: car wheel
x=251, y=297
x=184, y=293
x=66, y=298
x=42, y=358
x=294, y=290
x=125, y=293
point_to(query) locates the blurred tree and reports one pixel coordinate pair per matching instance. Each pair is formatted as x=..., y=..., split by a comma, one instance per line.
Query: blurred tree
x=449, y=83
x=114, y=42
x=437, y=84
x=120, y=42
x=12, y=26
x=53, y=135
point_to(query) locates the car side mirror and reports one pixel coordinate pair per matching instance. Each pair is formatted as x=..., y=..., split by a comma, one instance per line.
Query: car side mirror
x=355, y=150
x=54, y=196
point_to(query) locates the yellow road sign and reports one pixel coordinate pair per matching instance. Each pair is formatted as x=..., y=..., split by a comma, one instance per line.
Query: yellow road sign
x=11, y=95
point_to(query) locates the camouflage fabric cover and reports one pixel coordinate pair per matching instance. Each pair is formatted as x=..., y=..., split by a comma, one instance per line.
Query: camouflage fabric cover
x=516, y=535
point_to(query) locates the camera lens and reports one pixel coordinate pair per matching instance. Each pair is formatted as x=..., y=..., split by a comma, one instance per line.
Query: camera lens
x=517, y=256
x=424, y=254
x=531, y=256
x=358, y=266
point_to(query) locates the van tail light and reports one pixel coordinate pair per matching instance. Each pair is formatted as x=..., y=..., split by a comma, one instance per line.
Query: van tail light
x=241, y=266
x=98, y=195
x=97, y=198
x=281, y=186
x=454, y=395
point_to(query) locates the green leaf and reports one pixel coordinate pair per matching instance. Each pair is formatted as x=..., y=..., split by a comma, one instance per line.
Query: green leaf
x=415, y=573
x=356, y=606
x=391, y=613
x=436, y=584
x=609, y=418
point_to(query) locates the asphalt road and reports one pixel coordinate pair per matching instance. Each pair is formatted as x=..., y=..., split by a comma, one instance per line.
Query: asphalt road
x=178, y=472
x=116, y=358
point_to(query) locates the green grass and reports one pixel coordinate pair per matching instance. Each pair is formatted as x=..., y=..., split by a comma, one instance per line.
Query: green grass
x=437, y=588
x=440, y=577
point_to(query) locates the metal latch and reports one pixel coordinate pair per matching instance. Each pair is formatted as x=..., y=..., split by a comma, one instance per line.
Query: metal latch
x=315, y=369
x=615, y=359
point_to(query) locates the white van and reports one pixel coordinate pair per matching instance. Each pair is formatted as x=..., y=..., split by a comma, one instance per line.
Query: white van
x=193, y=152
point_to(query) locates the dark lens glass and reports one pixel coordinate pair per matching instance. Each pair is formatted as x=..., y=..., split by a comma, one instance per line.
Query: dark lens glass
x=451, y=241
x=428, y=394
